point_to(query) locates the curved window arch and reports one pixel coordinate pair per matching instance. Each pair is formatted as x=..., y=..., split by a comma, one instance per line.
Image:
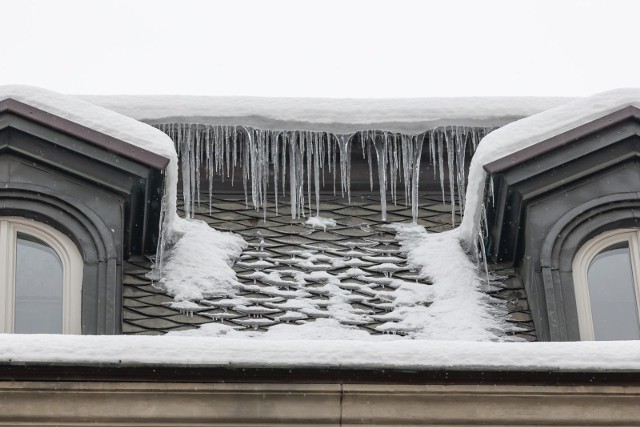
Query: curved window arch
x=606, y=273
x=40, y=279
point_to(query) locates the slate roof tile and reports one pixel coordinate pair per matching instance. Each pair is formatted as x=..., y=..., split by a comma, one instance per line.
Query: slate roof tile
x=359, y=258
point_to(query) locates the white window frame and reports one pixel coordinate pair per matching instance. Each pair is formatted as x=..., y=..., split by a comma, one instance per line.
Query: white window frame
x=71, y=267
x=581, y=263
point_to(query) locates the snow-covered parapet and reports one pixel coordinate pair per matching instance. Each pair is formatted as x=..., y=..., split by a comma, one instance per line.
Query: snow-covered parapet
x=528, y=132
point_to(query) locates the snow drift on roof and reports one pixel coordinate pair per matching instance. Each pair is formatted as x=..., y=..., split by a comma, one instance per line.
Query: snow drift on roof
x=409, y=116
x=530, y=131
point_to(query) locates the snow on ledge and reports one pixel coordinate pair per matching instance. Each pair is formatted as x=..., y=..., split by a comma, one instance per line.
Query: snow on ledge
x=199, y=351
x=528, y=132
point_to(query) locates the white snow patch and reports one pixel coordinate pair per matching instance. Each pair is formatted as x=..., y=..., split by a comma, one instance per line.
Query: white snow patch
x=460, y=308
x=530, y=131
x=196, y=253
x=339, y=353
x=319, y=329
x=409, y=115
x=318, y=221
x=199, y=263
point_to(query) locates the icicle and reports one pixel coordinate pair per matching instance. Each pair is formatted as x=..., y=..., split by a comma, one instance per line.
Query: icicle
x=316, y=171
x=483, y=252
x=440, y=167
x=364, y=140
x=234, y=141
x=322, y=150
x=344, y=145
x=275, y=157
x=460, y=152
x=185, y=160
x=227, y=150
x=210, y=171
x=432, y=152
x=265, y=140
x=332, y=144
x=415, y=195
x=392, y=157
x=407, y=165
x=380, y=145
x=284, y=163
x=198, y=162
x=162, y=240
x=245, y=166
x=451, y=166
x=293, y=177
x=309, y=151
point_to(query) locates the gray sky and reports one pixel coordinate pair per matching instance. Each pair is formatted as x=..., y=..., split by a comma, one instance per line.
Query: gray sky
x=344, y=48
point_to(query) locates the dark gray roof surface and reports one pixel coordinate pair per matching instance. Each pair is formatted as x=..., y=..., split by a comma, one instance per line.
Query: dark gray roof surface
x=288, y=246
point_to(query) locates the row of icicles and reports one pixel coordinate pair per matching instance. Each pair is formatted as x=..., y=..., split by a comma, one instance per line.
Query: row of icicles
x=274, y=163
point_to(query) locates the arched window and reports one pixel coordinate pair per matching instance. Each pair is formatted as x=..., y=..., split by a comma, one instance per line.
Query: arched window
x=606, y=274
x=40, y=279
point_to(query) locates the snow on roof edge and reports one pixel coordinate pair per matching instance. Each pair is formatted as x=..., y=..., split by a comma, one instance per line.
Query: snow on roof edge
x=409, y=115
x=92, y=116
x=529, y=131
x=198, y=351
x=104, y=121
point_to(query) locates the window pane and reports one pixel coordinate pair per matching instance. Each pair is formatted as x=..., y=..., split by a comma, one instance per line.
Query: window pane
x=612, y=293
x=38, y=287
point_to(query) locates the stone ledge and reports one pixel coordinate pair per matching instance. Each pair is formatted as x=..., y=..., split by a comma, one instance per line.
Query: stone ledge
x=173, y=404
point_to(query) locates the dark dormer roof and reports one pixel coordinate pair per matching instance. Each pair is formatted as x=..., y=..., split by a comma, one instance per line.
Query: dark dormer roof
x=552, y=165
x=93, y=157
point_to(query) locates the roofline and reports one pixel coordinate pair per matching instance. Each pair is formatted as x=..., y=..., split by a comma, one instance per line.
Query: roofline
x=21, y=371
x=109, y=143
x=564, y=138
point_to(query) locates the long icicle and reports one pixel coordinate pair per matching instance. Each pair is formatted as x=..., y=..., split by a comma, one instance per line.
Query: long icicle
x=298, y=156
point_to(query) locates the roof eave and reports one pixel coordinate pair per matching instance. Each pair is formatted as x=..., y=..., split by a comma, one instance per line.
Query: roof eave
x=92, y=136
x=550, y=144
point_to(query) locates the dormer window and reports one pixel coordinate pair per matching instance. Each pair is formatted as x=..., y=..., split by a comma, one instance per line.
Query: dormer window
x=41, y=284
x=565, y=215
x=78, y=197
x=606, y=271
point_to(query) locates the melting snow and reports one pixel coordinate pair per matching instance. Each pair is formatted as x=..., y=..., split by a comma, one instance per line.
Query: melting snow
x=318, y=221
x=199, y=261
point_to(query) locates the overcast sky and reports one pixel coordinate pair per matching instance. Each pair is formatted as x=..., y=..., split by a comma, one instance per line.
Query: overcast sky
x=344, y=48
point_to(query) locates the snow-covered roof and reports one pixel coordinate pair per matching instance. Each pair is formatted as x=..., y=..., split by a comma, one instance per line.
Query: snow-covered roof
x=405, y=354
x=283, y=348
x=93, y=117
x=532, y=130
x=409, y=116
